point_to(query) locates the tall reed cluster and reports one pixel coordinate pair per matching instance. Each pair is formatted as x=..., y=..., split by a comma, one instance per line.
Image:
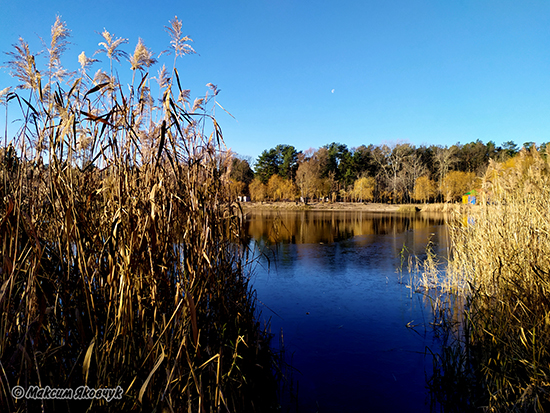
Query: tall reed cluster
x=499, y=357
x=119, y=256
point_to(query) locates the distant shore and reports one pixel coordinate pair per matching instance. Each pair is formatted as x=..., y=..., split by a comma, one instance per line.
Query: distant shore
x=352, y=206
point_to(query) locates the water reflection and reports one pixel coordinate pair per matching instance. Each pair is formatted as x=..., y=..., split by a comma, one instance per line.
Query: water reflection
x=325, y=227
x=333, y=289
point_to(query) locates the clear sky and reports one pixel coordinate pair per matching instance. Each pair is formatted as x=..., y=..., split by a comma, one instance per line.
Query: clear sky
x=307, y=73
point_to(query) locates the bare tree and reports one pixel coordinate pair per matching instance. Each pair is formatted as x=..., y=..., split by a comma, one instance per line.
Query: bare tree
x=445, y=158
x=413, y=168
x=308, y=175
x=390, y=159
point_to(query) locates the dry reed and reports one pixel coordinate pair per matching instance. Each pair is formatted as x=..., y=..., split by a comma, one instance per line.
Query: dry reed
x=119, y=256
x=498, y=359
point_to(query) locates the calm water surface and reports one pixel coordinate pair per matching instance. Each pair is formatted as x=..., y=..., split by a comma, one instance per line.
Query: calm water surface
x=329, y=281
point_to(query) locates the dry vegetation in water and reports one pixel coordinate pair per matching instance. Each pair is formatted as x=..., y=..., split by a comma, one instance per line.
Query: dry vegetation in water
x=497, y=354
x=119, y=256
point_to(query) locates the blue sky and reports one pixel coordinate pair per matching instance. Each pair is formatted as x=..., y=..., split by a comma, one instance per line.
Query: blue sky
x=307, y=73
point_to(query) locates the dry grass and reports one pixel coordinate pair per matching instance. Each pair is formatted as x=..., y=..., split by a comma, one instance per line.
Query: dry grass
x=408, y=209
x=499, y=357
x=445, y=207
x=120, y=263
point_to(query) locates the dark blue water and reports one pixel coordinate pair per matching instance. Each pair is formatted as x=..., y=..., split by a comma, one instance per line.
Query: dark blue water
x=329, y=282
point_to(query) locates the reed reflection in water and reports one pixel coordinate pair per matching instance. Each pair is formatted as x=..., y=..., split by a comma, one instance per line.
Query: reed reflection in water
x=329, y=281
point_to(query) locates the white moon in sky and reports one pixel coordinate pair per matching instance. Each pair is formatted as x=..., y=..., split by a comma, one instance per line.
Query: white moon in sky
x=332, y=91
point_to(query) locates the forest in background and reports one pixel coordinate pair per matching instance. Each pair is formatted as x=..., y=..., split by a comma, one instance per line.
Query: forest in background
x=394, y=173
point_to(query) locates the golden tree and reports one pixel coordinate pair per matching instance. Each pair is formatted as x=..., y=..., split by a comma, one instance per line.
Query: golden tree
x=258, y=191
x=288, y=190
x=424, y=189
x=456, y=184
x=363, y=188
x=236, y=188
x=274, y=187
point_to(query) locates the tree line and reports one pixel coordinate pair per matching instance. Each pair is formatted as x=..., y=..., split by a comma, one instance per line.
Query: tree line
x=395, y=173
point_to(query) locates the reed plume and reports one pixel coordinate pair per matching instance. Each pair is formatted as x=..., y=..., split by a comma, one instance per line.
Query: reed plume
x=178, y=41
x=23, y=66
x=142, y=57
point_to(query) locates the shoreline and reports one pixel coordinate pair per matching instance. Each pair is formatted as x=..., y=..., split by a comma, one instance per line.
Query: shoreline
x=352, y=206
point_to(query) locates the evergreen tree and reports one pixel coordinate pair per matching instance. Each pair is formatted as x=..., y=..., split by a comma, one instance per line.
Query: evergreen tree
x=281, y=160
x=267, y=165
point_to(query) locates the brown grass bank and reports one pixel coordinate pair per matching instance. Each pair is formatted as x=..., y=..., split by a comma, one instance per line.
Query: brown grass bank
x=357, y=206
x=322, y=206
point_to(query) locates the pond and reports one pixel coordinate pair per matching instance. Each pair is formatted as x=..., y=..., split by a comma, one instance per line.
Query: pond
x=329, y=281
